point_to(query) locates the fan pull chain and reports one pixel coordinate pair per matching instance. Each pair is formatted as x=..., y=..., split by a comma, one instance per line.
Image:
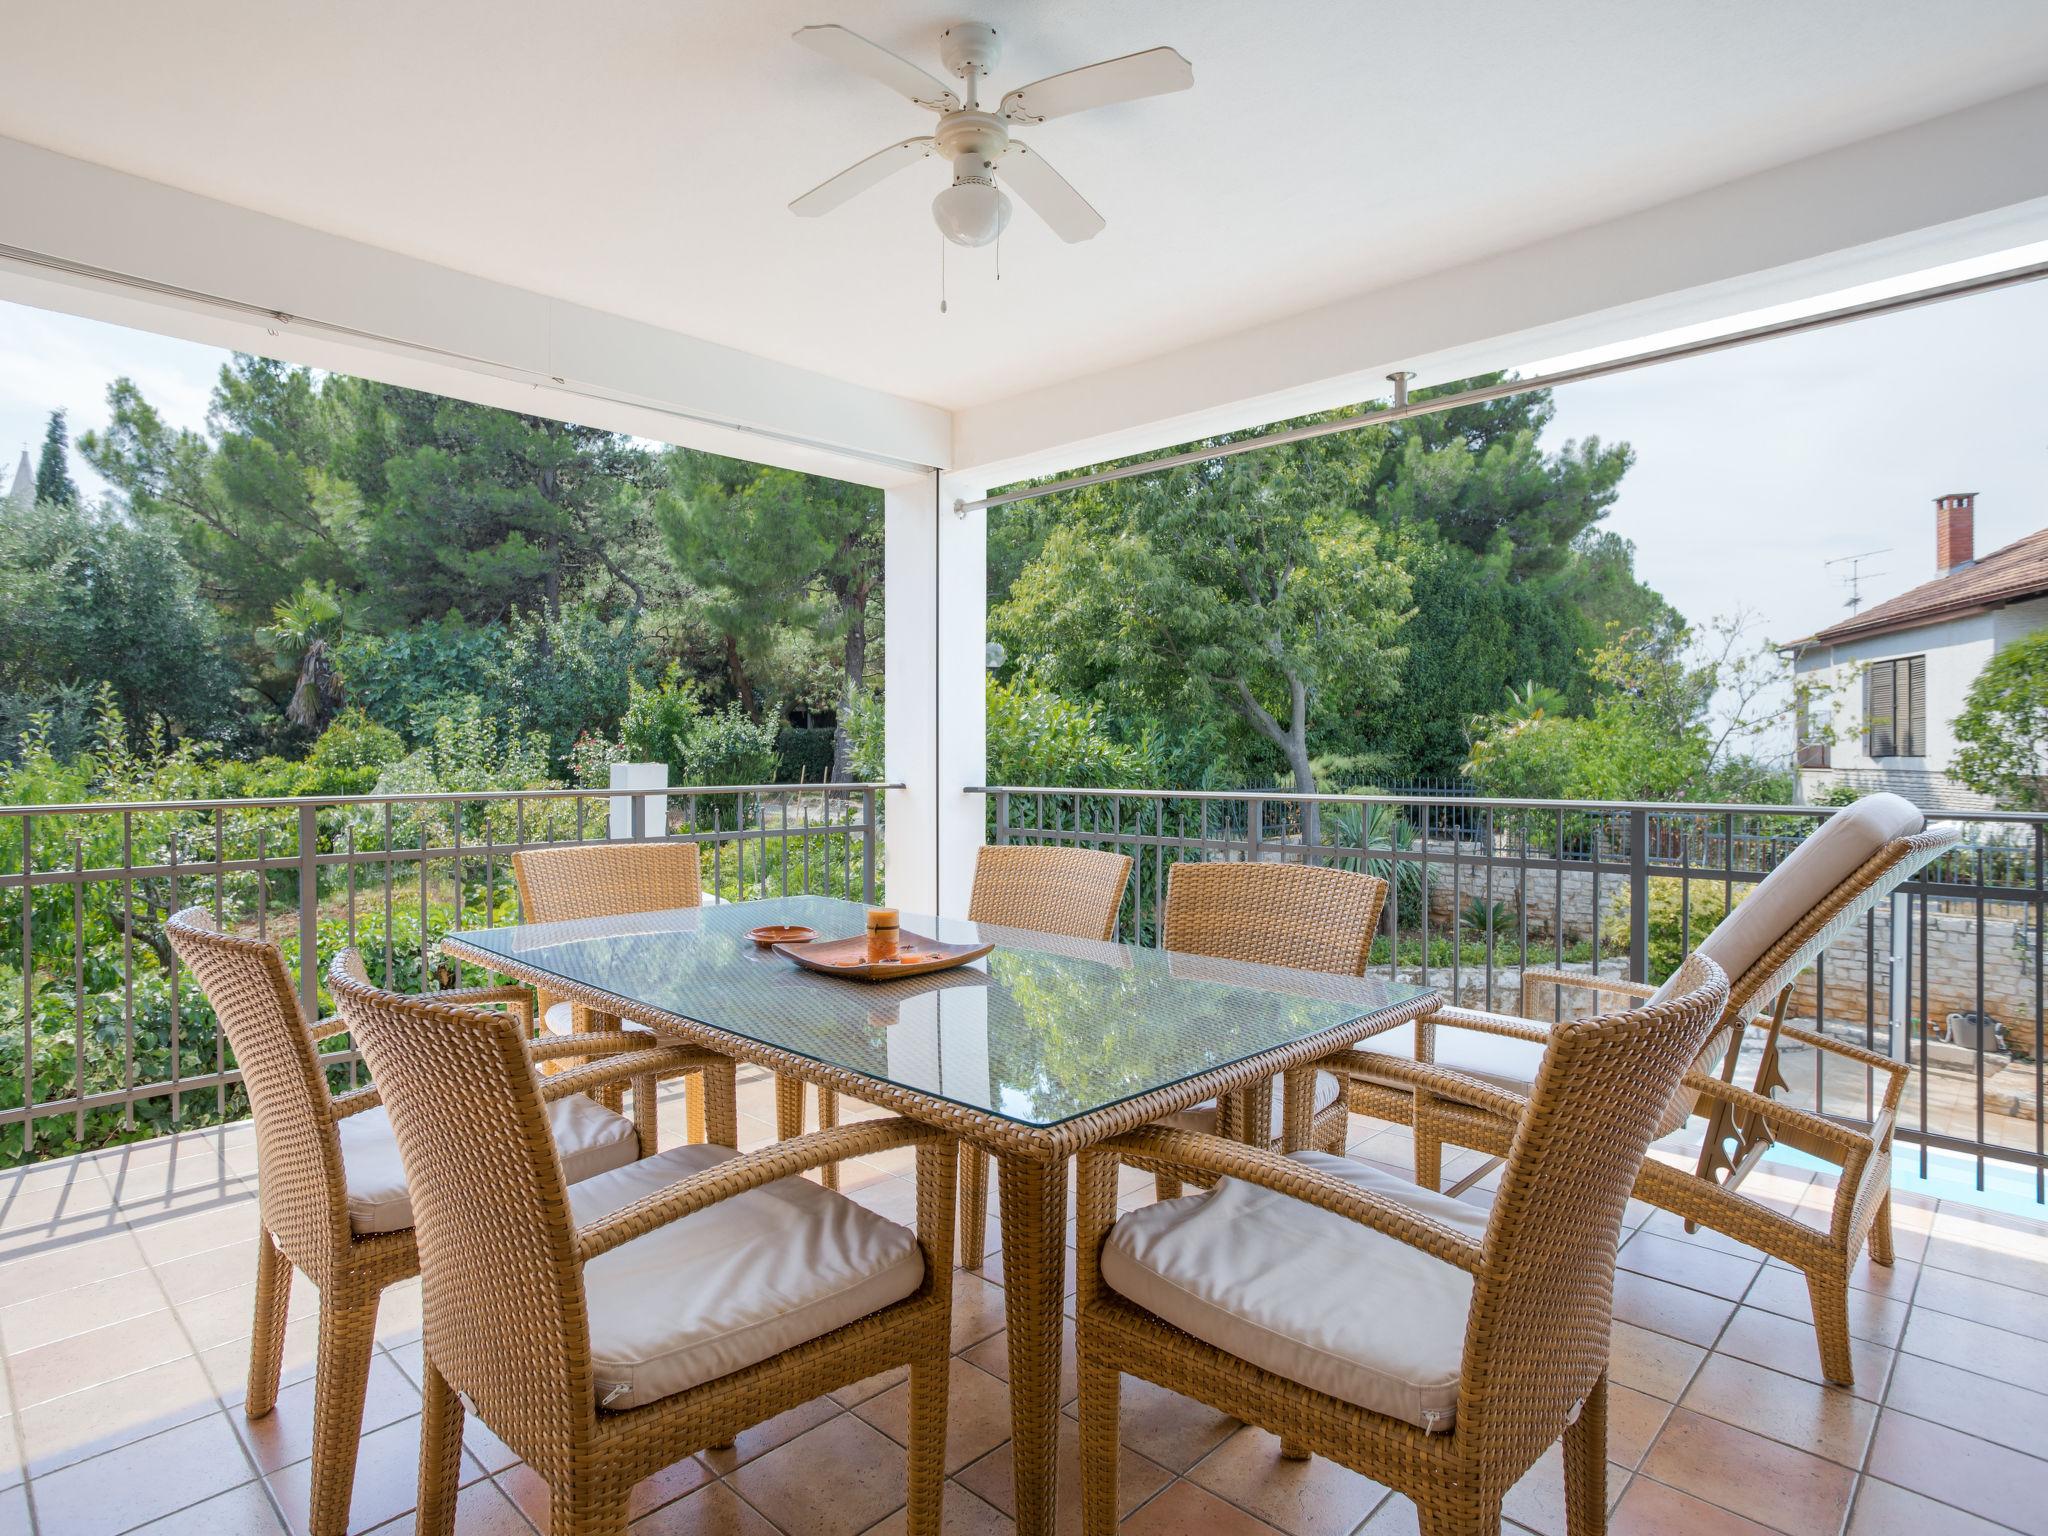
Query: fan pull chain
x=942, y=274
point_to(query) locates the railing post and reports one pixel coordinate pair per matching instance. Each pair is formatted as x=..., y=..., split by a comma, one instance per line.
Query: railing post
x=1002, y=816
x=1638, y=897
x=309, y=909
x=867, y=846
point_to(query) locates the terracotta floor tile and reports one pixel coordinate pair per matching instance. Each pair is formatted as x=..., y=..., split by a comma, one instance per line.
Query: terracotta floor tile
x=227, y=1365
x=1885, y=1510
x=387, y=1479
x=1988, y=1351
x=1633, y=1419
x=870, y=1386
x=1990, y=1246
x=1872, y=1316
x=1651, y=1362
x=143, y=1480
x=1824, y=1420
x=1670, y=1309
x=965, y=1515
x=1690, y=1265
x=1984, y=1301
x=1316, y=1497
x=1749, y=1474
x=666, y=1486
x=81, y=1424
x=977, y=1310
x=285, y=1434
x=713, y=1510
x=977, y=1414
x=1992, y=1410
x=835, y=1480
x=78, y=1309
x=1648, y=1508
x=1137, y=1479
x=95, y=1356
x=1185, y=1510
x=1536, y=1502
x=50, y=1268
x=993, y=1356
x=1165, y=1427
x=1959, y=1469
x=1766, y=1339
x=1664, y=1224
x=210, y=1270
x=778, y=1431
x=243, y=1511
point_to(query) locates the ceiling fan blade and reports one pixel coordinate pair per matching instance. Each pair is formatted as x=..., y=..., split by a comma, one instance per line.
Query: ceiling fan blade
x=1050, y=197
x=1151, y=73
x=857, y=178
x=878, y=63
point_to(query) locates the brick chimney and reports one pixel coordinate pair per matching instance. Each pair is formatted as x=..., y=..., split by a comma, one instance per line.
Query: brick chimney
x=1955, y=531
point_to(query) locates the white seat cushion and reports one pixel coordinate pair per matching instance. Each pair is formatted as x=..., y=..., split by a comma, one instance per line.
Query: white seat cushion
x=734, y=1283
x=1305, y=1293
x=1495, y=1059
x=560, y=1019
x=1203, y=1116
x=590, y=1138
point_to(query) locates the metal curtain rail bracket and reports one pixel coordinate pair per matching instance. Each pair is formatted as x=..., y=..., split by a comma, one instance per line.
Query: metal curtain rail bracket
x=1405, y=410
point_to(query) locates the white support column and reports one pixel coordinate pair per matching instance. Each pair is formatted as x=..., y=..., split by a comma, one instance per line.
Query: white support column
x=936, y=578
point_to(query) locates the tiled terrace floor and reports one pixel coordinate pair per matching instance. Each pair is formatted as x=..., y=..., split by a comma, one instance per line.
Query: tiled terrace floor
x=125, y=1298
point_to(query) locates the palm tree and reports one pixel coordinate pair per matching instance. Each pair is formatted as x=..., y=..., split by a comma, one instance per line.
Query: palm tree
x=300, y=634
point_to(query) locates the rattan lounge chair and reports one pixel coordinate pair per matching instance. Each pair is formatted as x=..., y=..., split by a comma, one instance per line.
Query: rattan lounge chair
x=331, y=1187
x=1417, y=1339
x=1307, y=917
x=559, y=885
x=607, y=1330
x=1854, y=861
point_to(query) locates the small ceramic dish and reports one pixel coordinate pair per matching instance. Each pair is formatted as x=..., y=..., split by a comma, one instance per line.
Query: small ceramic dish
x=774, y=933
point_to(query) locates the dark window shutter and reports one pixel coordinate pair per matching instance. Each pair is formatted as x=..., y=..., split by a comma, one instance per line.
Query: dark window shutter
x=1879, y=738
x=1915, y=711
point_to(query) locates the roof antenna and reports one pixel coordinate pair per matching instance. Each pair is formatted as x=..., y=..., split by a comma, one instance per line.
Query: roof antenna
x=1856, y=575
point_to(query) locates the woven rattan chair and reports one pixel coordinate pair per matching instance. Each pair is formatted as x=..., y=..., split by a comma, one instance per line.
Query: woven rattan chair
x=330, y=1187
x=608, y=1330
x=1414, y=1338
x=1854, y=862
x=1073, y=892
x=619, y=879
x=1304, y=916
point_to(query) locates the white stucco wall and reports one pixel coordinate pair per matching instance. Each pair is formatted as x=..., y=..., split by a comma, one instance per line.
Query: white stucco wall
x=1956, y=651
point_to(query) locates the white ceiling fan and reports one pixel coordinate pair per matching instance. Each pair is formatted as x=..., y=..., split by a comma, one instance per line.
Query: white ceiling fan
x=972, y=211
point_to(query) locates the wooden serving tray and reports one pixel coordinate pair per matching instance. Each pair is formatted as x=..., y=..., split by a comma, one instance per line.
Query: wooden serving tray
x=917, y=956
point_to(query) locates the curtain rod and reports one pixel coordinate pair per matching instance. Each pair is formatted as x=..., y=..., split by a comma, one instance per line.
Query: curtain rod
x=1404, y=410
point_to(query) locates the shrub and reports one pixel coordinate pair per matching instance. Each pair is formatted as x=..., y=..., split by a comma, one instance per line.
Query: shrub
x=658, y=722
x=728, y=748
x=803, y=755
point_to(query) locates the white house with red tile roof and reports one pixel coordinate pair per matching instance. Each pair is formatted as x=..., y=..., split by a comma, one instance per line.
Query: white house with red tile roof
x=1892, y=679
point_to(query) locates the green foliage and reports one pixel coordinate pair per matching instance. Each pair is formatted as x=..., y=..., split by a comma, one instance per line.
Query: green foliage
x=388, y=676
x=725, y=747
x=54, y=484
x=1677, y=921
x=2003, y=729
x=865, y=724
x=803, y=755
x=469, y=748
x=88, y=599
x=1037, y=737
x=658, y=722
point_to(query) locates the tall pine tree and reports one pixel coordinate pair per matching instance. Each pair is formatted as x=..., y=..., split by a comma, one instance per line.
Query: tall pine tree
x=53, y=473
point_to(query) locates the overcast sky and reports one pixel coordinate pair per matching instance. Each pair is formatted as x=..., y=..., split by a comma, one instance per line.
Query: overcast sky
x=1753, y=466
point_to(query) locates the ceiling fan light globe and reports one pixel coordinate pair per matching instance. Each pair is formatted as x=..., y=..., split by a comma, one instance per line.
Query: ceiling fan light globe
x=971, y=213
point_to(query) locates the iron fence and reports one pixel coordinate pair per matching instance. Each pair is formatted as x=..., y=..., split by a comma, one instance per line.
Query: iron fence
x=103, y=1038
x=1946, y=977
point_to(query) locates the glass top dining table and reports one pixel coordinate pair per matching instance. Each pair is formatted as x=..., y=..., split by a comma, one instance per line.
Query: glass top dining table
x=1042, y=1048
x=1041, y=1033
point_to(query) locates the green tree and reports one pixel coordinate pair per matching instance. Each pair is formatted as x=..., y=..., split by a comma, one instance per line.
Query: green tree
x=53, y=470
x=302, y=632
x=1237, y=585
x=2003, y=729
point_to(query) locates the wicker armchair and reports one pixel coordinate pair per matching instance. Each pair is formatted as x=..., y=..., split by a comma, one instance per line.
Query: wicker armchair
x=331, y=1189
x=1308, y=917
x=1855, y=861
x=1415, y=1338
x=559, y=885
x=608, y=1330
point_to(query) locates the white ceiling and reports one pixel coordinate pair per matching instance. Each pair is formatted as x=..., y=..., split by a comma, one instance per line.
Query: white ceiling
x=637, y=155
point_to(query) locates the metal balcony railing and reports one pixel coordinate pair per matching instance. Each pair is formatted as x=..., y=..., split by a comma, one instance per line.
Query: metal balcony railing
x=104, y=1038
x=1947, y=978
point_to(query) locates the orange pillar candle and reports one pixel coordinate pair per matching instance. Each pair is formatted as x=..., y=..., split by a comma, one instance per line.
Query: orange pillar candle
x=884, y=929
